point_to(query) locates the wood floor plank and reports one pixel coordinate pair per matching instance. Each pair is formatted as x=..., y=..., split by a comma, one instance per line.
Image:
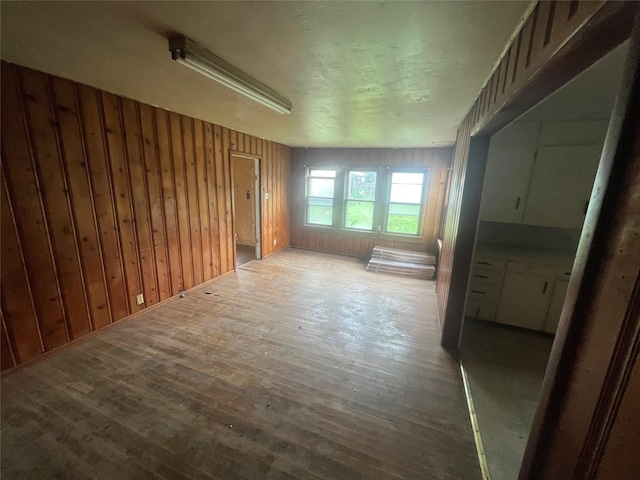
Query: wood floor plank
x=300, y=366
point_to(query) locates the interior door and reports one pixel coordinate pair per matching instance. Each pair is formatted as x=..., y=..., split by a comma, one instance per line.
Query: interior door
x=244, y=200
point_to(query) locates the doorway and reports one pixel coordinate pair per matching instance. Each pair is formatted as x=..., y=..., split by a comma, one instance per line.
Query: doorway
x=538, y=181
x=245, y=176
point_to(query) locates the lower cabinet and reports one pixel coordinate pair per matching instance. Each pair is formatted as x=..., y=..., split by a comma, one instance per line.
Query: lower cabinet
x=555, y=307
x=524, y=300
x=519, y=293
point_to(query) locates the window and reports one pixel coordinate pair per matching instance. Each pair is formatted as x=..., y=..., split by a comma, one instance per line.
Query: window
x=382, y=200
x=405, y=202
x=320, y=192
x=360, y=200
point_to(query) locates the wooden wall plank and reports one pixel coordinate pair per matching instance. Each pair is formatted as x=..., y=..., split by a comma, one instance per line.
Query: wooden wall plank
x=192, y=199
x=104, y=198
x=76, y=166
x=220, y=189
x=230, y=236
x=182, y=200
x=17, y=301
x=155, y=200
x=122, y=195
x=170, y=204
x=212, y=198
x=140, y=196
x=56, y=202
x=98, y=164
x=6, y=351
x=203, y=198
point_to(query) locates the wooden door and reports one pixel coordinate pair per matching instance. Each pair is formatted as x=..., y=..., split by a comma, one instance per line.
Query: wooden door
x=504, y=193
x=244, y=200
x=561, y=185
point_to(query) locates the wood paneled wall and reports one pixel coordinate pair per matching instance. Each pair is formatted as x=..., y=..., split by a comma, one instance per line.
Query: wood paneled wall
x=360, y=244
x=104, y=198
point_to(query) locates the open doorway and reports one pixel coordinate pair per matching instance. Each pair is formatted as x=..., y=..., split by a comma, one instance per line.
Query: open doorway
x=539, y=176
x=245, y=171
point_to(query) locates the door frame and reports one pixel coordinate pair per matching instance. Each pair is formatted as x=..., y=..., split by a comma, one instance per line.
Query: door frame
x=257, y=205
x=594, y=352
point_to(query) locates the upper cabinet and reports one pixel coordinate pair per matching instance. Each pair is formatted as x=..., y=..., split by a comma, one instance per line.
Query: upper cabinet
x=542, y=173
x=506, y=183
x=561, y=185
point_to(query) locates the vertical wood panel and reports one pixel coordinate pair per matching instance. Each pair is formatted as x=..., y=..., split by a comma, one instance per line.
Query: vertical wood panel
x=182, y=201
x=155, y=200
x=97, y=161
x=192, y=199
x=55, y=200
x=17, y=301
x=140, y=198
x=226, y=171
x=76, y=165
x=122, y=195
x=104, y=198
x=170, y=204
x=203, y=198
x=8, y=358
x=220, y=188
x=213, y=199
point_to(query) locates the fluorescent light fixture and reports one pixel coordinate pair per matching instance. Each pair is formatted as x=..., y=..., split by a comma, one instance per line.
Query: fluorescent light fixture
x=202, y=61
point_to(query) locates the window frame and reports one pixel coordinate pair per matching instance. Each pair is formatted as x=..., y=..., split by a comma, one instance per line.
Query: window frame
x=387, y=203
x=381, y=204
x=375, y=201
x=334, y=178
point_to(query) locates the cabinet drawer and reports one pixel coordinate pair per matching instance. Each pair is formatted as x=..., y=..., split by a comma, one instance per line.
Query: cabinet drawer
x=488, y=263
x=484, y=292
x=481, y=310
x=481, y=277
x=531, y=268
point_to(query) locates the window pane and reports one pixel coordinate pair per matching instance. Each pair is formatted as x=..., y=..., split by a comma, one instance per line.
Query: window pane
x=322, y=173
x=362, y=186
x=400, y=209
x=402, y=224
x=404, y=193
x=320, y=187
x=359, y=215
x=320, y=215
x=407, y=178
x=325, y=202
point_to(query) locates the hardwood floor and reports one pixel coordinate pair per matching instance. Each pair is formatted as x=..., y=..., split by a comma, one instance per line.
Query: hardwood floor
x=302, y=365
x=244, y=254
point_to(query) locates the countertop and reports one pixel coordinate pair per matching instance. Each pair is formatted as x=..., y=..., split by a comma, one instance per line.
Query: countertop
x=545, y=256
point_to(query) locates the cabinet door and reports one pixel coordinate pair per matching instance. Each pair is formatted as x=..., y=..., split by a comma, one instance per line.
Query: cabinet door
x=561, y=185
x=506, y=182
x=524, y=300
x=555, y=307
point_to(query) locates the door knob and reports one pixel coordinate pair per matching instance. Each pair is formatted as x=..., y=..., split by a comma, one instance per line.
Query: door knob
x=248, y=195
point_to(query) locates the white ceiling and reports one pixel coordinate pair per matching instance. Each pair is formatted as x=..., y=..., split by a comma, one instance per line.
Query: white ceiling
x=359, y=74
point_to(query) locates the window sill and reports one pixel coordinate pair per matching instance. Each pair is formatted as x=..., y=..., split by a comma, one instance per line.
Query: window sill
x=392, y=237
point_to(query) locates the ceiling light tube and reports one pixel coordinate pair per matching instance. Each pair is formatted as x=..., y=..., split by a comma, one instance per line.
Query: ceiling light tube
x=202, y=61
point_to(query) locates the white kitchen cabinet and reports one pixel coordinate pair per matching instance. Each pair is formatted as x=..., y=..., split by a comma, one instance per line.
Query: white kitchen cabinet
x=524, y=300
x=561, y=185
x=506, y=183
x=555, y=306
